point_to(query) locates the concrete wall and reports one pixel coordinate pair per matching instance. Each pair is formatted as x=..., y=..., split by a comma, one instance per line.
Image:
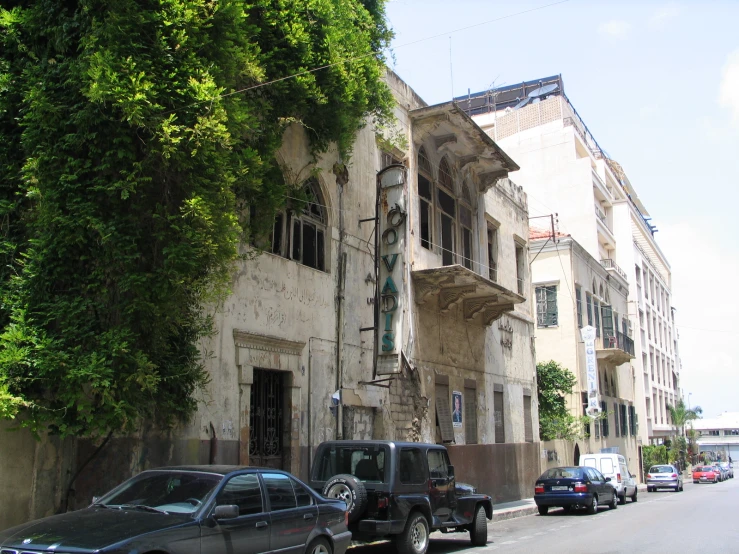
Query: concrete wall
x=504, y=471
x=33, y=474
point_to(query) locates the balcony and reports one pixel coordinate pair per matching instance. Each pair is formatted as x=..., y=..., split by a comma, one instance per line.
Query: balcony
x=612, y=266
x=616, y=348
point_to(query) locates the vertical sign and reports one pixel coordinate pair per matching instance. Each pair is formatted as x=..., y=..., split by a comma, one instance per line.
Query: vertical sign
x=391, y=229
x=591, y=368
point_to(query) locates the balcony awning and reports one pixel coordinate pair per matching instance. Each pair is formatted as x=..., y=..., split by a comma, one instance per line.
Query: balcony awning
x=482, y=300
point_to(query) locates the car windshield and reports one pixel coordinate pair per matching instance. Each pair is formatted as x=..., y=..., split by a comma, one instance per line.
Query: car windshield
x=366, y=463
x=704, y=469
x=180, y=492
x=661, y=469
x=562, y=473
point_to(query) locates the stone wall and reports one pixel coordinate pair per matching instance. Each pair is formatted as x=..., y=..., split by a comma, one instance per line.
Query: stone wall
x=506, y=472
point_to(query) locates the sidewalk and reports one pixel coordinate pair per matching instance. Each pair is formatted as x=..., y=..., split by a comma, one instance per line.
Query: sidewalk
x=525, y=507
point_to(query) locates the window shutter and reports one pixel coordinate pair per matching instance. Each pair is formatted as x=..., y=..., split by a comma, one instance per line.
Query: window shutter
x=604, y=420
x=616, y=427
x=607, y=314
x=527, y=428
x=552, y=305
x=444, y=414
x=499, y=417
x=470, y=416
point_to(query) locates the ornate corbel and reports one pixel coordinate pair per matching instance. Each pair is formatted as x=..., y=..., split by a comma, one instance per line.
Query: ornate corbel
x=474, y=306
x=448, y=296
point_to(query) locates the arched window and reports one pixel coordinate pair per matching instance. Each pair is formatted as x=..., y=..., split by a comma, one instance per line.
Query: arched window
x=426, y=199
x=446, y=220
x=300, y=230
x=447, y=209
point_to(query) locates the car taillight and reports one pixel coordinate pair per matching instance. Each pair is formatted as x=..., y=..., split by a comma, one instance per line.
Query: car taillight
x=579, y=487
x=382, y=502
x=649, y=475
x=674, y=475
x=538, y=489
x=618, y=477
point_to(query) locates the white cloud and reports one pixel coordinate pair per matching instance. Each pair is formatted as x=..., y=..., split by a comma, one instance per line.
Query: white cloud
x=729, y=87
x=615, y=28
x=663, y=14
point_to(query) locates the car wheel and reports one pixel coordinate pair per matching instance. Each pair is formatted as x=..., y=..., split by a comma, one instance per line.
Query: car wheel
x=649, y=489
x=349, y=489
x=593, y=508
x=682, y=487
x=636, y=492
x=615, y=501
x=622, y=498
x=479, y=527
x=319, y=546
x=567, y=509
x=543, y=510
x=415, y=537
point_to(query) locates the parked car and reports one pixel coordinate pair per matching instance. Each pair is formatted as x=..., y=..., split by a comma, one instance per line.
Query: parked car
x=399, y=491
x=705, y=474
x=615, y=467
x=722, y=470
x=664, y=477
x=574, y=487
x=183, y=510
x=728, y=468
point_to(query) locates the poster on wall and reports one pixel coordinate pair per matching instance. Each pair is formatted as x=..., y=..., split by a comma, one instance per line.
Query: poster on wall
x=457, y=411
x=591, y=368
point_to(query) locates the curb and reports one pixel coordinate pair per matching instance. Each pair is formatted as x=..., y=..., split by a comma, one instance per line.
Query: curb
x=513, y=514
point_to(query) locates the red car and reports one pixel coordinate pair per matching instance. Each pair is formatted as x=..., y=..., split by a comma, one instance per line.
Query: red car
x=705, y=474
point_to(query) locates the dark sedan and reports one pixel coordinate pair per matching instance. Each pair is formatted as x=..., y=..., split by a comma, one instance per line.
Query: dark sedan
x=572, y=487
x=189, y=510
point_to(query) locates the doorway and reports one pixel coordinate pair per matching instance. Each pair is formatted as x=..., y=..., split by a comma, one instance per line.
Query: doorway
x=266, y=427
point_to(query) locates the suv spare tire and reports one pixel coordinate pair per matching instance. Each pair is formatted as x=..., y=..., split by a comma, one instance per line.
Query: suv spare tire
x=349, y=489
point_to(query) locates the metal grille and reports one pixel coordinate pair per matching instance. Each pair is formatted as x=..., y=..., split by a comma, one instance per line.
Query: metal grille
x=265, y=419
x=443, y=413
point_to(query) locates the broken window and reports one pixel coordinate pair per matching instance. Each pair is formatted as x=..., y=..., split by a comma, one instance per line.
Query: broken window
x=546, y=306
x=299, y=232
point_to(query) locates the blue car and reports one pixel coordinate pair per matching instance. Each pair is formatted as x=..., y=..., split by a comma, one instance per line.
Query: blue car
x=574, y=487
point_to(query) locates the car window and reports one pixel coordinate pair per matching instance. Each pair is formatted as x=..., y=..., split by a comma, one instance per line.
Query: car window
x=661, y=469
x=438, y=467
x=596, y=475
x=173, y=491
x=303, y=497
x=411, y=466
x=279, y=491
x=624, y=471
x=589, y=462
x=606, y=466
x=366, y=463
x=243, y=491
x=563, y=473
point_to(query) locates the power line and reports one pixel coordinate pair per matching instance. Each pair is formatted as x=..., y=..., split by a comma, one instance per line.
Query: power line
x=356, y=58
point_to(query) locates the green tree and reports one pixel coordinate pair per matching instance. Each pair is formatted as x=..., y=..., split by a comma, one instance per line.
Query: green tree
x=134, y=137
x=553, y=382
x=681, y=414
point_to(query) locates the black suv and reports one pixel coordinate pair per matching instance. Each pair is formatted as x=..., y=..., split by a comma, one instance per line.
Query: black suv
x=399, y=491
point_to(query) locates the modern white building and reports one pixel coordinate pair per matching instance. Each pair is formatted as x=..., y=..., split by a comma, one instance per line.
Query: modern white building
x=564, y=168
x=719, y=435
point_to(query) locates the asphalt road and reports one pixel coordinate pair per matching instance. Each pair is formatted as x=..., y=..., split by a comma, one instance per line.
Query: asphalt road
x=702, y=518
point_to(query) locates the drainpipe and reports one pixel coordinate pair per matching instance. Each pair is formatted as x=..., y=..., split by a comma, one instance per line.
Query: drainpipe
x=342, y=178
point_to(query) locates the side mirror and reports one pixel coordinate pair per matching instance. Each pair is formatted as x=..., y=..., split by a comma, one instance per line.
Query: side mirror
x=608, y=479
x=450, y=471
x=226, y=511
x=633, y=476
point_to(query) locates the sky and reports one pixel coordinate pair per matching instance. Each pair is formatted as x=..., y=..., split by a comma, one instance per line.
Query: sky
x=657, y=83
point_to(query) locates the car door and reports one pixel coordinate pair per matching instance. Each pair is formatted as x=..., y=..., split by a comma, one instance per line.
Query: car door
x=441, y=484
x=249, y=532
x=605, y=490
x=292, y=521
x=629, y=483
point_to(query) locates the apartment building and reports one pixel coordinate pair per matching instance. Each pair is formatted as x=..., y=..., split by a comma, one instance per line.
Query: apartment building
x=565, y=171
x=718, y=436
x=574, y=291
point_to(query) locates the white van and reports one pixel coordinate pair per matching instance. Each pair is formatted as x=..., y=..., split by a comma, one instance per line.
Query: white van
x=613, y=466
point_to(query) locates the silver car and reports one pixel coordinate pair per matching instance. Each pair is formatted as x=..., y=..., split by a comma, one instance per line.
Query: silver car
x=729, y=468
x=664, y=477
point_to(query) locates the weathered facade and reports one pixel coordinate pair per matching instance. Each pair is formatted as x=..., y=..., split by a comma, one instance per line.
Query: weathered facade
x=372, y=310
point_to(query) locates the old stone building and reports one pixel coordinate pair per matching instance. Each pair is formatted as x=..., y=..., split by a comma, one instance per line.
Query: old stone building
x=395, y=303
x=392, y=304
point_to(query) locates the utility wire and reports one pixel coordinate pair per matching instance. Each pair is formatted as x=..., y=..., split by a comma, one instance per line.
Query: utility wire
x=356, y=58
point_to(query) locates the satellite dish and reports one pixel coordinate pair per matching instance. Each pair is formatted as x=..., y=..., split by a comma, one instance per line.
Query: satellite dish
x=522, y=103
x=543, y=91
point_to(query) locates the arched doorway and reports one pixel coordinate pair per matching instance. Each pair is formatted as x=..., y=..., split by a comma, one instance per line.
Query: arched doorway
x=577, y=455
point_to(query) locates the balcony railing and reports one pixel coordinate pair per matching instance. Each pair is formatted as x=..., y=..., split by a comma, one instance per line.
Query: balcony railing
x=620, y=341
x=608, y=263
x=601, y=215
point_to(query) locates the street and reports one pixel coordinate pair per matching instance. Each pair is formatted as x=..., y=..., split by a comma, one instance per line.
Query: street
x=700, y=519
